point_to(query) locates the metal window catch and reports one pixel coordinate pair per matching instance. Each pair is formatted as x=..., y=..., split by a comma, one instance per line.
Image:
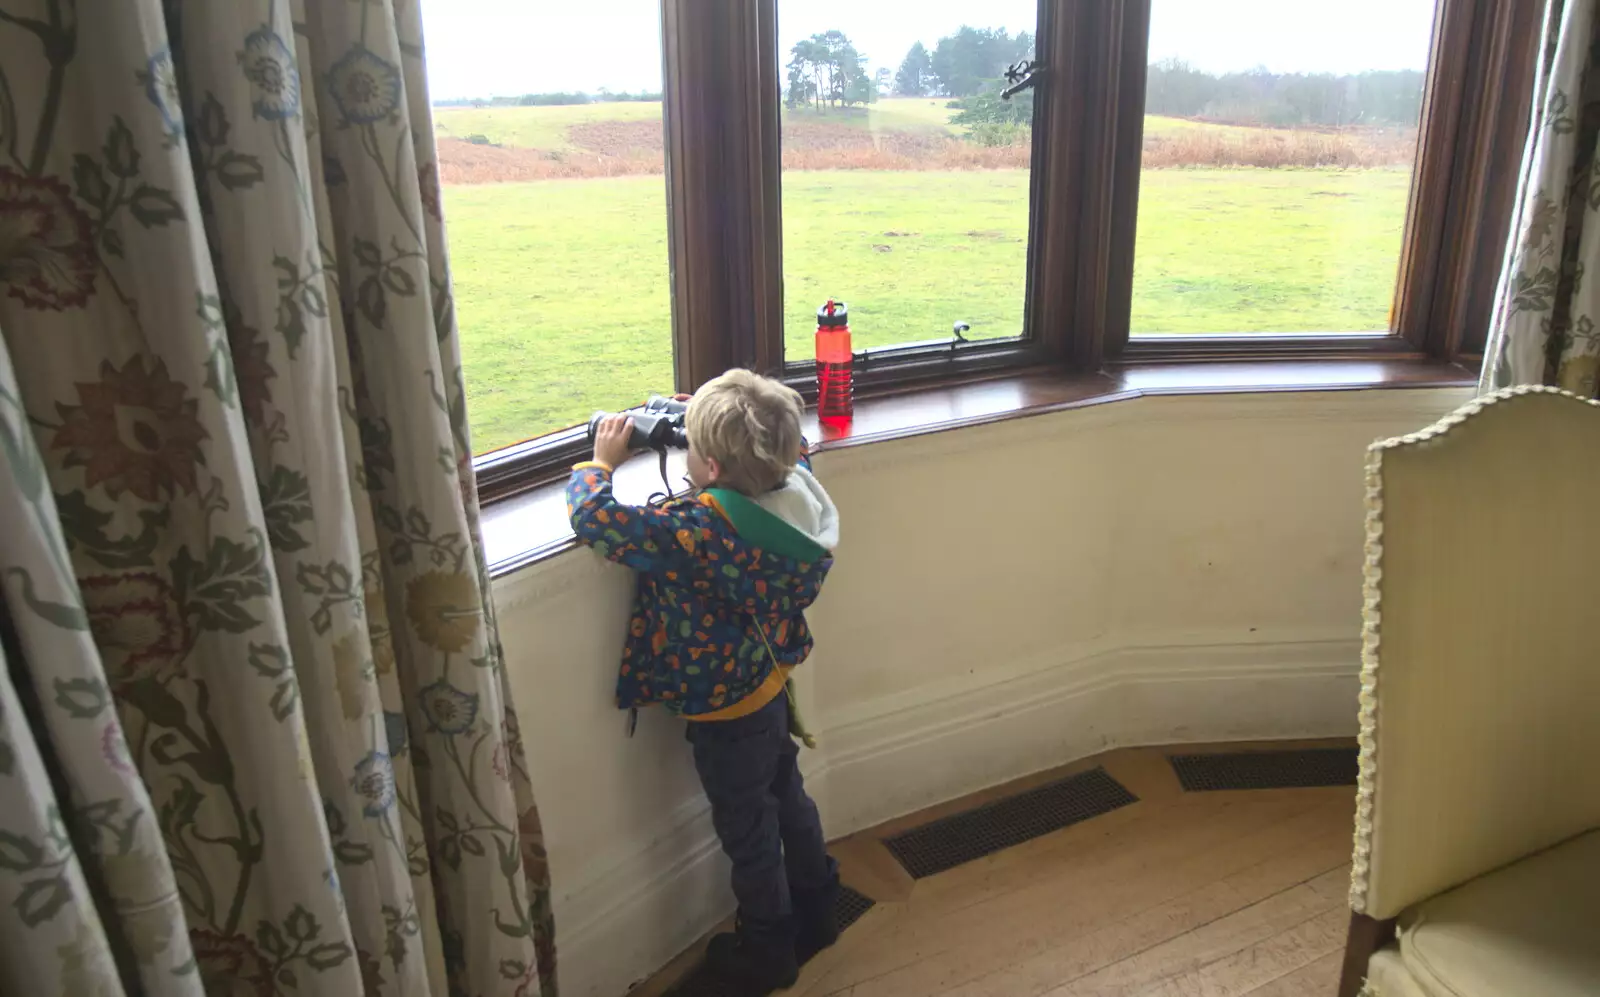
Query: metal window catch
x=1021, y=75
x=956, y=337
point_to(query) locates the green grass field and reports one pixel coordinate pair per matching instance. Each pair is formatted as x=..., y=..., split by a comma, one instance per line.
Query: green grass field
x=562, y=286
x=1224, y=251
x=534, y=127
x=561, y=298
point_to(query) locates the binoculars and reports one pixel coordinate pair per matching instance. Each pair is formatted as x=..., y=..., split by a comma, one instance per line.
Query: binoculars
x=657, y=426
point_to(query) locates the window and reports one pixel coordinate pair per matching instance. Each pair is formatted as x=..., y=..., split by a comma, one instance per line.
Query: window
x=552, y=176
x=1178, y=180
x=905, y=173
x=1279, y=141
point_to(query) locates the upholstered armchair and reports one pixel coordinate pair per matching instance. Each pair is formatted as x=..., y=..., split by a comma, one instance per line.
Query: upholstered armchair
x=1477, y=846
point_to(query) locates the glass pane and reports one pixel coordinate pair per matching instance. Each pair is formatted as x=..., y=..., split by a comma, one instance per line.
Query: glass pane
x=905, y=176
x=1279, y=143
x=551, y=168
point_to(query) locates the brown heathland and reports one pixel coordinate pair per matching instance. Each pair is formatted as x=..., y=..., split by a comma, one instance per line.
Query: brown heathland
x=630, y=148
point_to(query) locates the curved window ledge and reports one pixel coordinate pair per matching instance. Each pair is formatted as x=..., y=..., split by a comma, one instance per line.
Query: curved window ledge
x=527, y=528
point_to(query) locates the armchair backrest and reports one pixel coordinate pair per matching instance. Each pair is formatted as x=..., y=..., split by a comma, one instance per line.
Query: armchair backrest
x=1480, y=688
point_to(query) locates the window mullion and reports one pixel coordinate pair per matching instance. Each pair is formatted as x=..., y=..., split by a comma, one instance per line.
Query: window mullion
x=1475, y=122
x=1128, y=37
x=1088, y=131
x=723, y=221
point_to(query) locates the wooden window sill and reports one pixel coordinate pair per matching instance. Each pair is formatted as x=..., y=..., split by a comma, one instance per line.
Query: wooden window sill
x=527, y=528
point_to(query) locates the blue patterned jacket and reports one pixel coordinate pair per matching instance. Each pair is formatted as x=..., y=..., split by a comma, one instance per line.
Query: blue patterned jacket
x=723, y=584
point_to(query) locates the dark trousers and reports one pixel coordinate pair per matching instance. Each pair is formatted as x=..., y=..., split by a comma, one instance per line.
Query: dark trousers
x=767, y=824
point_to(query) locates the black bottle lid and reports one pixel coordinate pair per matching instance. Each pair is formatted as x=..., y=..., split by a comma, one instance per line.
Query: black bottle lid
x=833, y=315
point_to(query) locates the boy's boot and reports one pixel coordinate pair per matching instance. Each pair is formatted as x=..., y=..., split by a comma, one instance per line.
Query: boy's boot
x=816, y=925
x=755, y=960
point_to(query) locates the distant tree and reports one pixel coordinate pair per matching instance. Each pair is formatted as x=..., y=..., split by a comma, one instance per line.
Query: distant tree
x=1261, y=97
x=801, y=90
x=915, y=78
x=1174, y=88
x=553, y=99
x=987, y=108
x=558, y=99
x=852, y=80
x=964, y=61
x=860, y=89
x=826, y=69
x=1390, y=96
x=808, y=72
x=883, y=81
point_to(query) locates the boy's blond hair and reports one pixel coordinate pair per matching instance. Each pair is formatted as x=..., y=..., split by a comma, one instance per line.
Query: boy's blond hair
x=750, y=425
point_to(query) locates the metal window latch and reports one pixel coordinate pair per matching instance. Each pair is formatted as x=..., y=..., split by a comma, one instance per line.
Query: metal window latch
x=1021, y=75
x=957, y=339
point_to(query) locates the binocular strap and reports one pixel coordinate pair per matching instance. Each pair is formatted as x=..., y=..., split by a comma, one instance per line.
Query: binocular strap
x=797, y=725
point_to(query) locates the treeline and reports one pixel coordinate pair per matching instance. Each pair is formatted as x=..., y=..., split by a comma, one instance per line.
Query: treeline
x=963, y=64
x=551, y=99
x=1176, y=89
x=827, y=70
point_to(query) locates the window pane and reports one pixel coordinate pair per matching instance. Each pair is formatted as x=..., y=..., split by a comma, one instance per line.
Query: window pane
x=905, y=176
x=1279, y=143
x=551, y=169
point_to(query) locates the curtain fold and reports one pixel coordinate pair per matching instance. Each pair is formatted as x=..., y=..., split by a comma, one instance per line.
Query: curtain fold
x=1546, y=323
x=240, y=548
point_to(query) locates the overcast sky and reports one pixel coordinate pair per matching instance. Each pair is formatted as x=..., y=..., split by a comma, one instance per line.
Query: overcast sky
x=484, y=48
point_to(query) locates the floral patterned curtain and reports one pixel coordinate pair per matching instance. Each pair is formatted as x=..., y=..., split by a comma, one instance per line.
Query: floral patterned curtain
x=255, y=732
x=1546, y=327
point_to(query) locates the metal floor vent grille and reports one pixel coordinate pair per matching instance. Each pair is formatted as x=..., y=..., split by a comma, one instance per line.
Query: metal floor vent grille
x=960, y=838
x=1267, y=769
x=848, y=909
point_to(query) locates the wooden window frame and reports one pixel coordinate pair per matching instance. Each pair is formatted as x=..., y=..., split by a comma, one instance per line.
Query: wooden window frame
x=724, y=204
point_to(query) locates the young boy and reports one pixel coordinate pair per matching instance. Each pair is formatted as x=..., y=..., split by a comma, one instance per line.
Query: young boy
x=724, y=578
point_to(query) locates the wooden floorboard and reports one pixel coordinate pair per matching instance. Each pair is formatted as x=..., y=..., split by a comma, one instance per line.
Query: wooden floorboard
x=1315, y=979
x=1220, y=894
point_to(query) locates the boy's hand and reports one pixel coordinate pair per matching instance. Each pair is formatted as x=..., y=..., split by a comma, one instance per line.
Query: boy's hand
x=611, y=440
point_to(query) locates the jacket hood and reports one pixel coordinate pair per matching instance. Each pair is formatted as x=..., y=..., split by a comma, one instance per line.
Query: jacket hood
x=804, y=504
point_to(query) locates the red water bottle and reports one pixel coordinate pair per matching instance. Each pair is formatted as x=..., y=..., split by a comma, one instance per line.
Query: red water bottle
x=835, y=401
